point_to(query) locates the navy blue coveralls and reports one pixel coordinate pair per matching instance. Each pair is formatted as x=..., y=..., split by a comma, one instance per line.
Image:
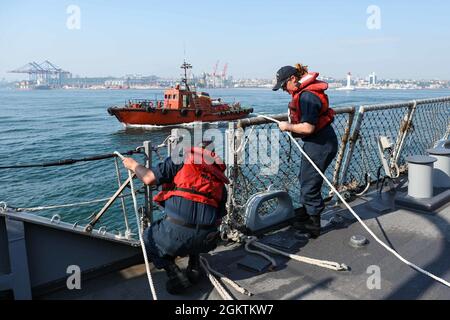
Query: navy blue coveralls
x=321, y=147
x=165, y=240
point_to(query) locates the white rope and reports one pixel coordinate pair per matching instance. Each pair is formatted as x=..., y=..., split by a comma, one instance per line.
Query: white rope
x=3, y=206
x=141, y=239
x=320, y=263
x=250, y=241
x=398, y=256
x=76, y=204
x=225, y=279
x=220, y=289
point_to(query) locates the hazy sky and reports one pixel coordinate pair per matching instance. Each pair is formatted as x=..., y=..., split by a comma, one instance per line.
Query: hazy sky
x=254, y=37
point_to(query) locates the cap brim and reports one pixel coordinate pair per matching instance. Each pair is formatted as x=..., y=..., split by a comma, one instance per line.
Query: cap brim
x=278, y=86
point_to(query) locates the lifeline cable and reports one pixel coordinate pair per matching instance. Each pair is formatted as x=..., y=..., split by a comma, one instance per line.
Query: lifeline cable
x=412, y=265
x=65, y=162
x=141, y=239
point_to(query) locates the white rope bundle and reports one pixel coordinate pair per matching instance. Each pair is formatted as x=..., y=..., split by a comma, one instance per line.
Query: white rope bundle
x=316, y=262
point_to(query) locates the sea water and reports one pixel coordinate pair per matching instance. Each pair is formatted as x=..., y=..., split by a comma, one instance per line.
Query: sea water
x=46, y=125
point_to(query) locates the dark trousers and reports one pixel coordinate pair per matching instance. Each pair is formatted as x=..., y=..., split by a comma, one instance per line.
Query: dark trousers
x=321, y=148
x=164, y=241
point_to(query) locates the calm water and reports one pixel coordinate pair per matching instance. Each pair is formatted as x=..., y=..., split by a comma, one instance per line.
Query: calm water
x=41, y=126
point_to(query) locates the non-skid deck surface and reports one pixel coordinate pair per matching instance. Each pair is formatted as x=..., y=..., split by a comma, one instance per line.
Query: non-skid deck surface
x=421, y=238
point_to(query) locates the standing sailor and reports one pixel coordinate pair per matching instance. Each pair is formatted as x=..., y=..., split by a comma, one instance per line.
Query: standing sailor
x=310, y=119
x=193, y=197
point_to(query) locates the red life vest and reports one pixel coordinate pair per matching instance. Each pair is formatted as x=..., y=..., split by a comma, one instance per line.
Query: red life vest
x=311, y=84
x=201, y=179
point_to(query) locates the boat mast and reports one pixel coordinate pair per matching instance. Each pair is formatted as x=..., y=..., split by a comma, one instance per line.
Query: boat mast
x=186, y=66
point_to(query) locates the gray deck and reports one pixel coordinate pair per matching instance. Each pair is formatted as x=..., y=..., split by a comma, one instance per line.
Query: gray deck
x=422, y=238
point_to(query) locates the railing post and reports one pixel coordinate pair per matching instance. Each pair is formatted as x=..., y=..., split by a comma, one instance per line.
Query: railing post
x=122, y=200
x=353, y=139
x=148, y=190
x=230, y=163
x=19, y=278
x=405, y=127
x=343, y=147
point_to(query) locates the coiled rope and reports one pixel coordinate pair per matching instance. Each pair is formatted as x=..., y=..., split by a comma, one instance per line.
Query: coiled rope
x=217, y=285
x=396, y=254
x=234, y=285
x=316, y=262
x=141, y=239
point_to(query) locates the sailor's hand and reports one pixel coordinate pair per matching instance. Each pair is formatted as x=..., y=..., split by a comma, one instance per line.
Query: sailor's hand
x=285, y=126
x=130, y=164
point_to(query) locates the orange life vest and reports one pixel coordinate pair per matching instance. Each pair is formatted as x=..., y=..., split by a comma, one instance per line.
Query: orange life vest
x=201, y=179
x=311, y=84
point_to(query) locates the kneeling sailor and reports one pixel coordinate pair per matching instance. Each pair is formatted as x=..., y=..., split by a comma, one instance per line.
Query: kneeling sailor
x=193, y=197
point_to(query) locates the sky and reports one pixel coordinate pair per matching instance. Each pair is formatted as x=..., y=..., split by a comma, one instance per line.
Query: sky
x=407, y=39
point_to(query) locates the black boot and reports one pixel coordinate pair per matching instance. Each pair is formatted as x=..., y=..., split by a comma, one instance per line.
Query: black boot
x=311, y=226
x=178, y=282
x=194, y=270
x=301, y=218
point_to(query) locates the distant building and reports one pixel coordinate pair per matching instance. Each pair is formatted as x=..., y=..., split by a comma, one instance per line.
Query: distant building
x=373, y=79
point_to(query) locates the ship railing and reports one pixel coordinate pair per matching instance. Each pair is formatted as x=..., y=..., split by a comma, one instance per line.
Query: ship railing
x=144, y=103
x=412, y=127
x=99, y=217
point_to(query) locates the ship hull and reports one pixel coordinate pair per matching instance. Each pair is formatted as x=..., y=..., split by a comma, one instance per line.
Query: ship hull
x=167, y=117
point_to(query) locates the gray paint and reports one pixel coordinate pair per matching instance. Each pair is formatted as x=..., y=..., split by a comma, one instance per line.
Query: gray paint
x=420, y=176
x=39, y=253
x=441, y=171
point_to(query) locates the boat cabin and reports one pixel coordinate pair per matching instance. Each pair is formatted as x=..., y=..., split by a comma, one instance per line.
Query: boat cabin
x=178, y=98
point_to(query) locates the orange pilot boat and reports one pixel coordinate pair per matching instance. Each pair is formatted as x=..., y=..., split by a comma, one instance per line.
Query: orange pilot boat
x=180, y=105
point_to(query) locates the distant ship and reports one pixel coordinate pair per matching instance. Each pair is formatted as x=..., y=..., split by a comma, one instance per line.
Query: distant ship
x=42, y=87
x=181, y=104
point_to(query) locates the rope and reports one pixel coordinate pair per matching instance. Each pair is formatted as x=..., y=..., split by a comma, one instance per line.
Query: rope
x=320, y=263
x=141, y=239
x=68, y=161
x=250, y=241
x=398, y=256
x=76, y=204
x=220, y=289
x=222, y=277
x=3, y=206
x=122, y=201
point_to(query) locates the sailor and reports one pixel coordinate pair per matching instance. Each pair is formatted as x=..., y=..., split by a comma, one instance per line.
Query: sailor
x=310, y=119
x=193, y=196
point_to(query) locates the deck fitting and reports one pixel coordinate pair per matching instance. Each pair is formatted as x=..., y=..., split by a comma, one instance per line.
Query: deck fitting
x=358, y=241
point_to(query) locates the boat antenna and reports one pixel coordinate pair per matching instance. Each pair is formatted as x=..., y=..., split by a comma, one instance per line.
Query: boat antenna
x=186, y=66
